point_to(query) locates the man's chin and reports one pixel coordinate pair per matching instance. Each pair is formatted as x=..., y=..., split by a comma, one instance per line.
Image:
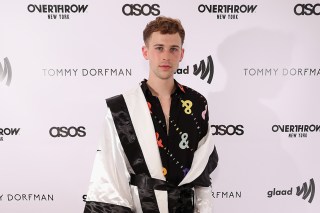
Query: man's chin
x=166, y=77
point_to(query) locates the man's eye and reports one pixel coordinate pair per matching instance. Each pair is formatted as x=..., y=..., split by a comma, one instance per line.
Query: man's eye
x=159, y=48
x=174, y=49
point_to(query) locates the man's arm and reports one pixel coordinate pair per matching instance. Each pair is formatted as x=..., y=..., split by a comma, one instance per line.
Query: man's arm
x=109, y=189
x=203, y=193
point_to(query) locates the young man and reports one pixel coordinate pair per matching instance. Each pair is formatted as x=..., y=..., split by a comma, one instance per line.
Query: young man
x=156, y=155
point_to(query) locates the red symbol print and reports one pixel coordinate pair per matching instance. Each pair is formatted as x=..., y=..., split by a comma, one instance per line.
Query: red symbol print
x=181, y=87
x=159, y=141
x=149, y=106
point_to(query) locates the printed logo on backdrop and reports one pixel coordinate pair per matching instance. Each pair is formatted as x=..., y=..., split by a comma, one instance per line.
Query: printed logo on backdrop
x=307, y=9
x=5, y=72
x=283, y=72
x=57, y=132
x=8, y=132
x=296, y=131
x=87, y=72
x=57, y=11
x=226, y=194
x=223, y=12
x=26, y=197
x=306, y=191
x=141, y=10
x=227, y=130
x=202, y=67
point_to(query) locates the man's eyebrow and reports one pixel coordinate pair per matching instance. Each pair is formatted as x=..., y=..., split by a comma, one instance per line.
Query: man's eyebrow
x=176, y=46
x=161, y=45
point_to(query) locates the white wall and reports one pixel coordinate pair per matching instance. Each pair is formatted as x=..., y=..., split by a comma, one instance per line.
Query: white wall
x=272, y=38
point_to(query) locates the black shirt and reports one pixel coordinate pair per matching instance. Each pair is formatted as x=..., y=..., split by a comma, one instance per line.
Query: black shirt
x=188, y=124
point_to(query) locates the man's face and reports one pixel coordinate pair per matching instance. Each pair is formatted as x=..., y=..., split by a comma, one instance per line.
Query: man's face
x=164, y=52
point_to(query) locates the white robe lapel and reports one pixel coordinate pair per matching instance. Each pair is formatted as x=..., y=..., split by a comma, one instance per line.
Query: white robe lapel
x=200, y=158
x=143, y=126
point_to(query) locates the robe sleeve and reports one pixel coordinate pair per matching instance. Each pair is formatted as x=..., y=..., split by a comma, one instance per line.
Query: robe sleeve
x=109, y=189
x=203, y=200
x=203, y=191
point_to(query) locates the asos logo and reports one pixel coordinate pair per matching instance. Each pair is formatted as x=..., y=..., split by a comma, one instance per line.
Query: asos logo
x=227, y=130
x=67, y=131
x=307, y=9
x=137, y=9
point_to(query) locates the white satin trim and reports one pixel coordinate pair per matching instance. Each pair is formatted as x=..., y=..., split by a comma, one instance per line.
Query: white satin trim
x=200, y=158
x=162, y=199
x=136, y=199
x=143, y=126
x=203, y=200
x=110, y=178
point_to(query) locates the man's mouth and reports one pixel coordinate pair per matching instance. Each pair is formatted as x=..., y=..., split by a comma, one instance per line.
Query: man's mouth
x=165, y=66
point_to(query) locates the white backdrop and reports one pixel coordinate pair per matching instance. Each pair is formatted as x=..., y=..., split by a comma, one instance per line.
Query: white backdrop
x=266, y=78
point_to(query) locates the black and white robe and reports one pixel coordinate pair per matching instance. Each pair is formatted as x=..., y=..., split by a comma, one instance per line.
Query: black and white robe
x=129, y=149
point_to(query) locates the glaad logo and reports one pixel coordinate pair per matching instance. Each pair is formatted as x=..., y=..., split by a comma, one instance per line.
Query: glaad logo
x=137, y=9
x=8, y=131
x=227, y=130
x=6, y=71
x=305, y=190
x=307, y=9
x=67, y=132
x=182, y=71
x=202, y=67
x=205, y=70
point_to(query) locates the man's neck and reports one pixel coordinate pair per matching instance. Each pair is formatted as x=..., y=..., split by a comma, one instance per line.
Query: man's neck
x=161, y=88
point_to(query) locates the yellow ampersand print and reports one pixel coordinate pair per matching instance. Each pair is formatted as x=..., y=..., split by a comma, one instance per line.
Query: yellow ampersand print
x=187, y=104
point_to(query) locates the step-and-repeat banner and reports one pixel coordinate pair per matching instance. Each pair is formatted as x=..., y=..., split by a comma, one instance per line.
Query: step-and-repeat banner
x=256, y=61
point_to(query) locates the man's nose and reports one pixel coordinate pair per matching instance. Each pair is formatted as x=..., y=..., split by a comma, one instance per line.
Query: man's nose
x=166, y=55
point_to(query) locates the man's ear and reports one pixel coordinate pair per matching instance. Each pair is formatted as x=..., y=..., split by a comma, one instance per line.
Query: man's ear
x=145, y=52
